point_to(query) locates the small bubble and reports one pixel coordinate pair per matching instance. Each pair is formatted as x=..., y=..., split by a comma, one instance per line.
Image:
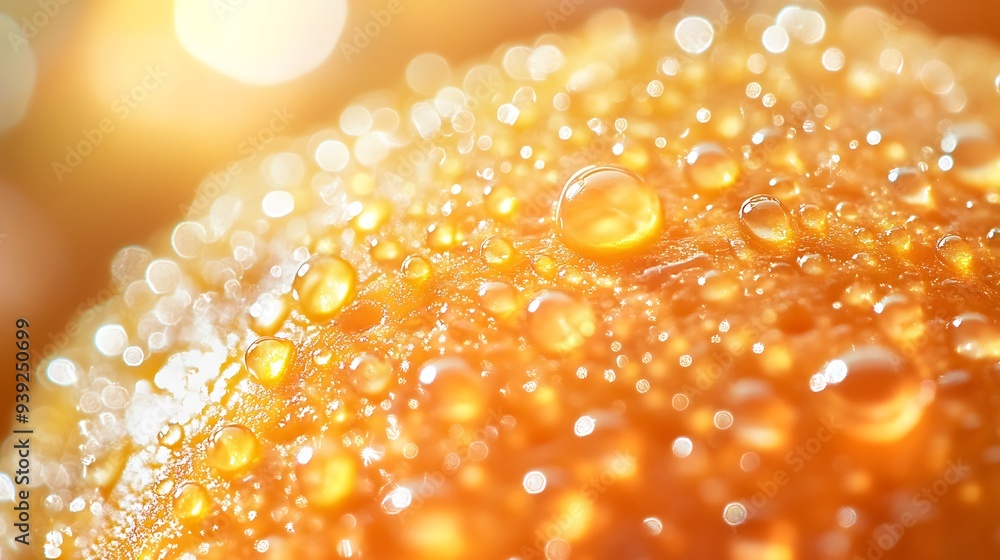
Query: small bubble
x=499, y=299
x=910, y=185
x=508, y=113
x=652, y=525
x=332, y=155
x=754, y=90
x=416, y=269
x=749, y=462
x=680, y=402
x=370, y=375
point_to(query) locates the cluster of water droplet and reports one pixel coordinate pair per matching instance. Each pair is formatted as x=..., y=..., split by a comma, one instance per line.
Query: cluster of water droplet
x=630, y=270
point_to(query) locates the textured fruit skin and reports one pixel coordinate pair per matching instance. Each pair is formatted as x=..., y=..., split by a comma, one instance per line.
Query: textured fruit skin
x=412, y=409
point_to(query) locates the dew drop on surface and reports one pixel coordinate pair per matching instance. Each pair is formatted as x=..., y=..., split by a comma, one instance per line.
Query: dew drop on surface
x=975, y=336
x=370, y=375
x=232, y=450
x=910, y=185
x=323, y=285
x=694, y=34
x=764, y=218
x=584, y=426
x=877, y=401
x=455, y=388
x=534, y=482
x=559, y=323
x=497, y=251
x=606, y=211
x=682, y=447
x=723, y=419
x=499, y=299
x=734, y=514
x=328, y=477
x=975, y=158
x=191, y=502
x=956, y=253
x=269, y=358
x=170, y=435
x=712, y=167
x=416, y=269
x=901, y=318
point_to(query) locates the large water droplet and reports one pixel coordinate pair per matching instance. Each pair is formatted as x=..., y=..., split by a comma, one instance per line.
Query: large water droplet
x=975, y=337
x=268, y=359
x=764, y=218
x=956, y=253
x=711, y=167
x=232, y=450
x=559, y=323
x=879, y=397
x=910, y=185
x=323, y=286
x=191, y=503
x=607, y=211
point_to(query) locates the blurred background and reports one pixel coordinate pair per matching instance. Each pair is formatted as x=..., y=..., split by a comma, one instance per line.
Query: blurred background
x=112, y=112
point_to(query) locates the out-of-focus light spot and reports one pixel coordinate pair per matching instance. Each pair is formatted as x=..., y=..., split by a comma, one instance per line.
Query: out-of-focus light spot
x=17, y=66
x=260, y=43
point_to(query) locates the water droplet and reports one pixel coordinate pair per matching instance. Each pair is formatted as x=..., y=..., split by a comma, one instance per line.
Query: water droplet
x=268, y=359
x=328, y=477
x=813, y=218
x=899, y=239
x=734, y=513
x=499, y=299
x=323, y=285
x=374, y=213
x=232, y=450
x=901, y=318
x=607, y=211
x=497, y=251
x=764, y=218
x=975, y=336
x=456, y=390
x=370, y=374
x=559, y=323
x=170, y=435
x=910, y=185
x=956, y=253
x=710, y=167
x=975, y=157
x=501, y=202
x=444, y=236
x=192, y=502
x=877, y=401
x=416, y=269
